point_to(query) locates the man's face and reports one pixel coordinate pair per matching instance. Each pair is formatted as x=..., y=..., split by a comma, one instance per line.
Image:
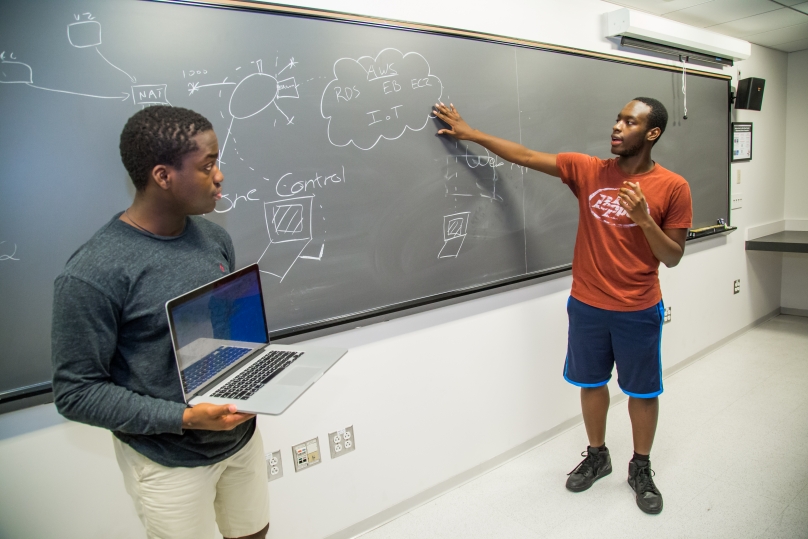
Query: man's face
x=630, y=133
x=197, y=184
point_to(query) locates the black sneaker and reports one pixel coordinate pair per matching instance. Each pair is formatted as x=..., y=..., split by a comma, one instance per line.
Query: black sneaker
x=597, y=464
x=641, y=480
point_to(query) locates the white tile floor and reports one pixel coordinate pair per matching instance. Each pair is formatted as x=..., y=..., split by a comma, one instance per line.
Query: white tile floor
x=731, y=457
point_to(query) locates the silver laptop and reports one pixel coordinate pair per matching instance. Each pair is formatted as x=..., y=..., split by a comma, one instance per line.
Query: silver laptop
x=221, y=343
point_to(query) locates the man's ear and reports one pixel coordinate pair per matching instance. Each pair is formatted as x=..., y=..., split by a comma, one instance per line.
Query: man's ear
x=161, y=176
x=653, y=134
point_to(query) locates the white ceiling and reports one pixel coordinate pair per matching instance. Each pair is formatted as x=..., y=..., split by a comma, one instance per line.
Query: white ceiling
x=762, y=22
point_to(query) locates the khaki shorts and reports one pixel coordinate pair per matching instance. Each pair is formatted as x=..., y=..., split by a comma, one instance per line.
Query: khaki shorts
x=175, y=503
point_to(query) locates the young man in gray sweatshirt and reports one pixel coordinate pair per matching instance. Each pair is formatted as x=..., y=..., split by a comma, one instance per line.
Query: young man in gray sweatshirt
x=113, y=363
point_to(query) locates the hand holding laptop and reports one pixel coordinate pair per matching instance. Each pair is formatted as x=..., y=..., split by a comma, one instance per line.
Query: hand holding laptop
x=221, y=345
x=206, y=416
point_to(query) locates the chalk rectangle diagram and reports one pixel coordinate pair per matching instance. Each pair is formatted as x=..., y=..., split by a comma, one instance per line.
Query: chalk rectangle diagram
x=150, y=94
x=84, y=34
x=289, y=228
x=287, y=88
x=455, y=227
x=15, y=72
x=287, y=219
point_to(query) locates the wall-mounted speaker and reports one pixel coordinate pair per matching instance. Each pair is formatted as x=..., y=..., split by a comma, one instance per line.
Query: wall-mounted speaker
x=750, y=93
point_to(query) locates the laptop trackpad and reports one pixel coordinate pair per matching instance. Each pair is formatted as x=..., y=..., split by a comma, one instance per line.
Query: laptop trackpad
x=299, y=376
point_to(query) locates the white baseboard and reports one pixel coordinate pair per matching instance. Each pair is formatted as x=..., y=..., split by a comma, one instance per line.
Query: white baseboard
x=715, y=346
x=794, y=312
x=401, y=508
x=405, y=506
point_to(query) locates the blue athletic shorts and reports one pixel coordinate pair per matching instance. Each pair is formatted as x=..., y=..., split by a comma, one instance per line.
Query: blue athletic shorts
x=600, y=339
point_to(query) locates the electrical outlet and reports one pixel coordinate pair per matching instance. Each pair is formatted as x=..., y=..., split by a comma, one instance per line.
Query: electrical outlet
x=736, y=286
x=307, y=454
x=274, y=466
x=737, y=201
x=668, y=314
x=341, y=442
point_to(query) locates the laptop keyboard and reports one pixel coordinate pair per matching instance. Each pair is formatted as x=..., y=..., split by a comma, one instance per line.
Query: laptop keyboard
x=210, y=365
x=246, y=384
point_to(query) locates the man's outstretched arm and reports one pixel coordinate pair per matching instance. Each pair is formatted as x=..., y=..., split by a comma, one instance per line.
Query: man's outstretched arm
x=510, y=151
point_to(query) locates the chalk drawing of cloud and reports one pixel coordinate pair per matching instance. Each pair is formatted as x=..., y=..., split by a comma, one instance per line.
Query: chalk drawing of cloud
x=379, y=98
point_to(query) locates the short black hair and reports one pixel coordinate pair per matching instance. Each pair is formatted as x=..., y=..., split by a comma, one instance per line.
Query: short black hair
x=159, y=135
x=658, y=117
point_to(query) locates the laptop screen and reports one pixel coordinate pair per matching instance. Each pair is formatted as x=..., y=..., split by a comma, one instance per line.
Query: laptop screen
x=216, y=325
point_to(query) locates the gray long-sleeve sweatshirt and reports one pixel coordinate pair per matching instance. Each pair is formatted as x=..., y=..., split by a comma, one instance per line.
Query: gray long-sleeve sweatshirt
x=113, y=363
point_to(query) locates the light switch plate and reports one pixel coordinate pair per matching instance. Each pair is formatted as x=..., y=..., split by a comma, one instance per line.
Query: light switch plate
x=736, y=201
x=307, y=454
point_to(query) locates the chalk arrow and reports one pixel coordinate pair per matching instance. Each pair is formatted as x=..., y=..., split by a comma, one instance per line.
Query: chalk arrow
x=133, y=79
x=124, y=95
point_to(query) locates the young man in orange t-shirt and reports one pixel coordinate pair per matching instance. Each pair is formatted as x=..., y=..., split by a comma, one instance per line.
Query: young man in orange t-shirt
x=615, y=307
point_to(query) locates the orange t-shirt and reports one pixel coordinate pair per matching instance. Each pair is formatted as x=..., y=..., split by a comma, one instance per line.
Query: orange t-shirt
x=613, y=266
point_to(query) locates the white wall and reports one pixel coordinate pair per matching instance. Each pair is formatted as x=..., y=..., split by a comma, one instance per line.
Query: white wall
x=700, y=288
x=795, y=266
x=426, y=399
x=796, y=204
